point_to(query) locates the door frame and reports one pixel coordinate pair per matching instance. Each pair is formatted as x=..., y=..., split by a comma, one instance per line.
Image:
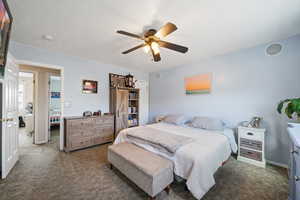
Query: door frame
x=61, y=68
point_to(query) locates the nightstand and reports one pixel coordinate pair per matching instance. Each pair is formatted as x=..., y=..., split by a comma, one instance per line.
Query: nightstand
x=252, y=145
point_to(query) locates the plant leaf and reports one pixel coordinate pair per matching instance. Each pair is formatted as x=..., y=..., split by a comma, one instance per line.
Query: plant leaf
x=296, y=105
x=289, y=110
x=280, y=105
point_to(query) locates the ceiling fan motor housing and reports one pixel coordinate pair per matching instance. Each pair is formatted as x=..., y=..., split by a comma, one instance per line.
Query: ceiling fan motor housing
x=150, y=32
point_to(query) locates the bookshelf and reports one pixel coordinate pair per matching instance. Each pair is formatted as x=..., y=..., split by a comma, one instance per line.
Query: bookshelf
x=124, y=104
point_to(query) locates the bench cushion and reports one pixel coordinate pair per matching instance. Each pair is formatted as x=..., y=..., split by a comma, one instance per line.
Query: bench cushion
x=147, y=170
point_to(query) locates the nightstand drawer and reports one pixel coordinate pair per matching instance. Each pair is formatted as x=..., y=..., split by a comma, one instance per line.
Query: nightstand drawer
x=252, y=144
x=252, y=135
x=251, y=154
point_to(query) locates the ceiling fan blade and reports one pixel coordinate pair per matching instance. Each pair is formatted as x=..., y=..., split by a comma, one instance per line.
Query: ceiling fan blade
x=166, y=30
x=130, y=34
x=156, y=57
x=172, y=46
x=134, y=48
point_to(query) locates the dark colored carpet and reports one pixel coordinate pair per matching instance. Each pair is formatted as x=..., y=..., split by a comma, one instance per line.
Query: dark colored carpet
x=44, y=173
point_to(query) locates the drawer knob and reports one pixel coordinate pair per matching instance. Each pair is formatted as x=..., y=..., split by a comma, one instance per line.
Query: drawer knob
x=249, y=133
x=294, y=151
x=297, y=178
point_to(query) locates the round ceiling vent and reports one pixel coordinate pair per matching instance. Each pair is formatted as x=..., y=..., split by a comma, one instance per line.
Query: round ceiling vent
x=274, y=49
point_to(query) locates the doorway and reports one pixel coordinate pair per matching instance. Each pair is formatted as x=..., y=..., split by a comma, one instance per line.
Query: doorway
x=26, y=108
x=46, y=106
x=54, y=116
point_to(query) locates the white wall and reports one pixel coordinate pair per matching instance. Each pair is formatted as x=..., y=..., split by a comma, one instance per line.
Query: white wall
x=245, y=84
x=75, y=70
x=27, y=83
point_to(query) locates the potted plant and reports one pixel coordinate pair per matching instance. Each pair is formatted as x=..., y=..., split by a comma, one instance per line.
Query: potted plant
x=292, y=108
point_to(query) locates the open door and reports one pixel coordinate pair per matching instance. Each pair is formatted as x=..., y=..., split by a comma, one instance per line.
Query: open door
x=9, y=122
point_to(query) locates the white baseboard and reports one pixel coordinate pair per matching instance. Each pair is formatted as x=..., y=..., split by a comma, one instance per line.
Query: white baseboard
x=277, y=164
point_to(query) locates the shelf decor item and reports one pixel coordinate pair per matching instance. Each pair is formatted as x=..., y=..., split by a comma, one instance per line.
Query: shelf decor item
x=89, y=87
x=292, y=108
x=117, y=81
x=5, y=29
x=129, y=81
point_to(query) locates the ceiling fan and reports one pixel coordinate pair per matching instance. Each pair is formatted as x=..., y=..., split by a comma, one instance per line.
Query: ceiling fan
x=152, y=41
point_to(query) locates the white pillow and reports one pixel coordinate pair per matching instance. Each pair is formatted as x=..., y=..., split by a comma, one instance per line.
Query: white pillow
x=207, y=123
x=175, y=119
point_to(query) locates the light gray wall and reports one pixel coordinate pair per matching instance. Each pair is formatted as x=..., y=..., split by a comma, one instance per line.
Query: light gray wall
x=75, y=70
x=245, y=84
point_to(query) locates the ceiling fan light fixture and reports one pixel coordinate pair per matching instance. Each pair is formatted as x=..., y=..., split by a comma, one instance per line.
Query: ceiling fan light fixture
x=147, y=49
x=155, y=47
x=152, y=42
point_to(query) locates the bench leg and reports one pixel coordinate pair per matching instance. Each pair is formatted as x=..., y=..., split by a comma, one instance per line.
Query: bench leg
x=151, y=198
x=167, y=189
x=111, y=166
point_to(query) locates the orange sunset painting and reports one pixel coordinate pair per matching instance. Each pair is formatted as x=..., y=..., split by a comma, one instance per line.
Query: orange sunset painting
x=199, y=84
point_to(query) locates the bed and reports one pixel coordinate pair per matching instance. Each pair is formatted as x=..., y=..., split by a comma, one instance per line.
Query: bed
x=197, y=161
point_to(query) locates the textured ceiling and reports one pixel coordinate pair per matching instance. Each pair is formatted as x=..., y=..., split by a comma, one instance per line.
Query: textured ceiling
x=208, y=27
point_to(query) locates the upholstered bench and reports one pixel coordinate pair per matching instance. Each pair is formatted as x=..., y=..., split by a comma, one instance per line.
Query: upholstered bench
x=150, y=172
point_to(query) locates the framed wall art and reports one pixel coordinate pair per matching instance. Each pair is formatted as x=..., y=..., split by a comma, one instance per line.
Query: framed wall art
x=198, y=84
x=5, y=29
x=89, y=87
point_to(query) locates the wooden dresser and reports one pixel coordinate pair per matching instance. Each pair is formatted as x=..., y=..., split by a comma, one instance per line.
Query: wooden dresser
x=81, y=132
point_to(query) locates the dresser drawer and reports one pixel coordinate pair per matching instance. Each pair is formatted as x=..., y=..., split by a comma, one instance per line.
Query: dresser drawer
x=84, y=132
x=104, y=120
x=251, y=154
x=103, y=139
x=79, y=123
x=252, y=144
x=104, y=132
x=77, y=143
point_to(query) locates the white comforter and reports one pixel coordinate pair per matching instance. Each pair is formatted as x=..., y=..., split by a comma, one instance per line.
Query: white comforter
x=197, y=161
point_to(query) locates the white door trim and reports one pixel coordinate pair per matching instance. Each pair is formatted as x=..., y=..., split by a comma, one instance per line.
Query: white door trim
x=61, y=68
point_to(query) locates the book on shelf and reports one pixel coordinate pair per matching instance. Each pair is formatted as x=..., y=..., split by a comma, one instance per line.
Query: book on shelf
x=132, y=95
x=132, y=110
